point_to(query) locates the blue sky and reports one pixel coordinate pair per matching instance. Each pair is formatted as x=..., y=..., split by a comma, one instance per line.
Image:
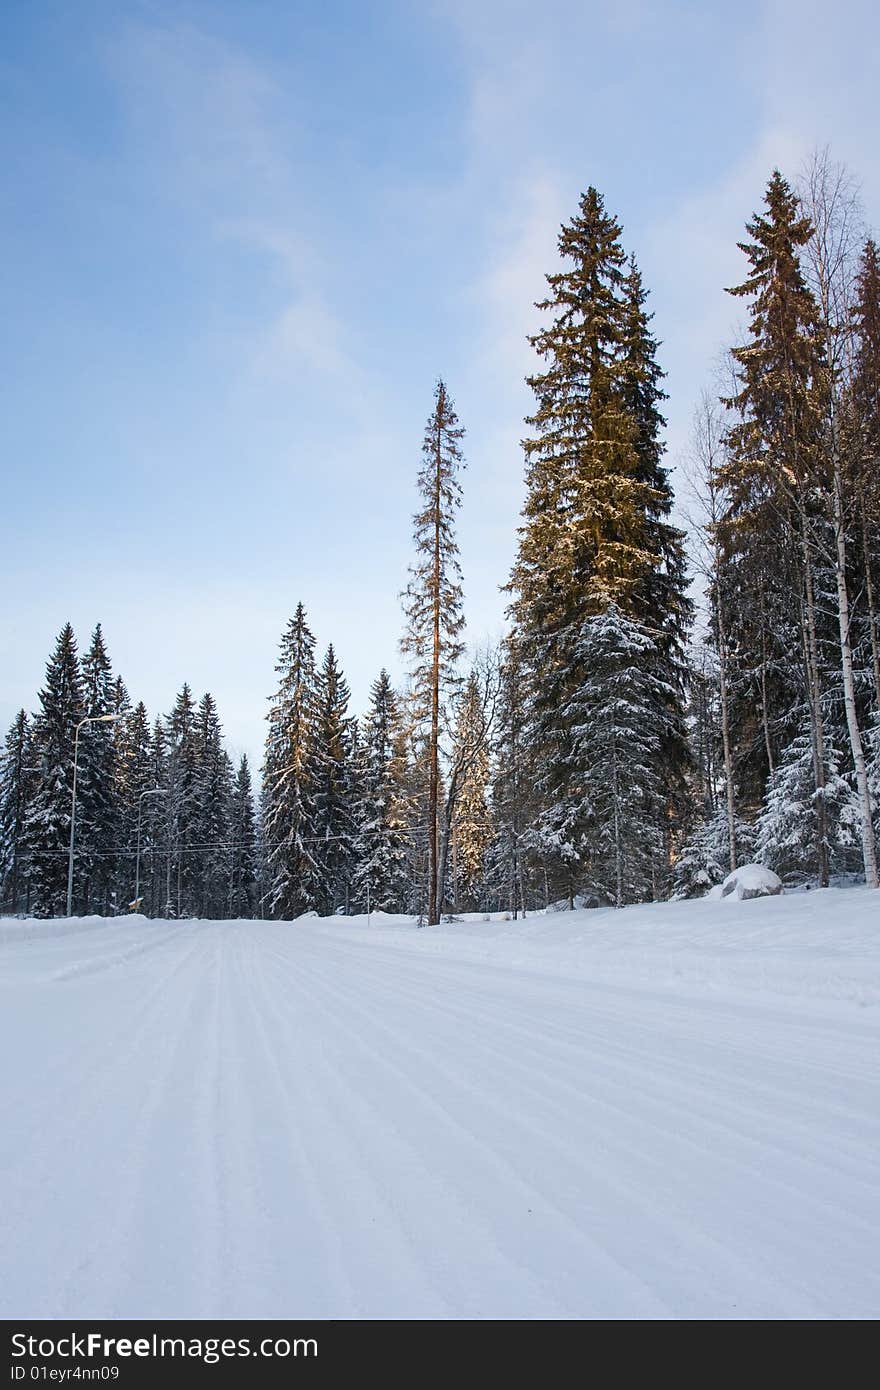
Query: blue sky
x=239, y=241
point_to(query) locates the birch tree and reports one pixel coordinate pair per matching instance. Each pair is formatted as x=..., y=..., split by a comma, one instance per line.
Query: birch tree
x=831, y=202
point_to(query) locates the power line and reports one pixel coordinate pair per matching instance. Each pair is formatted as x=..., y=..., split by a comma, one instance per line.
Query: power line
x=208, y=847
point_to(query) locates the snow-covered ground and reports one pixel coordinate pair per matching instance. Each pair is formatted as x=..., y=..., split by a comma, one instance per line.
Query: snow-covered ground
x=671, y=1111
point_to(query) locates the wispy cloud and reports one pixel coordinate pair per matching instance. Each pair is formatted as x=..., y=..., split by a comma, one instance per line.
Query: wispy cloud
x=222, y=140
x=204, y=114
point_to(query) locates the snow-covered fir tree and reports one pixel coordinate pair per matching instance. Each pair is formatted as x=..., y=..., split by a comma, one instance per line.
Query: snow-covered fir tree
x=770, y=530
x=381, y=849
x=617, y=741
x=704, y=859
x=161, y=812
x=289, y=778
x=872, y=749
x=864, y=410
x=334, y=825
x=17, y=783
x=243, y=874
x=138, y=807
x=471, y=830
x=212, y=795
x=512, y=789
x=796, y=812
x=596, y=529
x=662, y=598
x=181, y=773
x=866, y=315
x=98, y=824
x=47, y=829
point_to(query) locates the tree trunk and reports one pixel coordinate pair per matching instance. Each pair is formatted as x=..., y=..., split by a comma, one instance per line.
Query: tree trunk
x=869, y=847
x=725, y=731
x=811, y=653
x=434, y=776
x=765, y=723
x=445, y=839
x=618, y=864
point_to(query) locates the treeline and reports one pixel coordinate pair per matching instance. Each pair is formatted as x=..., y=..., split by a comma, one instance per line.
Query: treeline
x=164, y=821
x=167, y=825
x=603, y=750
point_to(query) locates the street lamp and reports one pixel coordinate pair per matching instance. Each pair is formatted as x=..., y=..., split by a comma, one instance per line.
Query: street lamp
x=155, y=791
x=91, y=719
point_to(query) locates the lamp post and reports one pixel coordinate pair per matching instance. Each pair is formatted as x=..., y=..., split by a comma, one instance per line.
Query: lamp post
x=155, y=791
x=91, y=719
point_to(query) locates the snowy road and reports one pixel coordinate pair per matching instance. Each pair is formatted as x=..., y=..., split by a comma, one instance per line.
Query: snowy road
x=270, y=1120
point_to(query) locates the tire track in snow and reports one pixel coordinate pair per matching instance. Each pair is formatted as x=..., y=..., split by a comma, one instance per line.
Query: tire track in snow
x=100, y=1056
x=774, y=1188
x=755, y=1096
x=265, y=1120
x=503, y=1185
x=381, y=1175
x=68, y=1203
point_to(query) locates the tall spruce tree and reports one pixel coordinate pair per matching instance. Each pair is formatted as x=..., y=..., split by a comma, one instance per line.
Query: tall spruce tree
x=866, y=316
x=163, y=821
x=865, y=406
x=212, y=794
x=17, y=780
x=433, y=605
x=779, y=474
x=122, y=880
x=832, y=205
x=289, y=778
x=471, y=828
x=662, y=599
x=98, y=826
x=596, y=530
x=181, y=766
x=47, y=830
x=134, y=778
x=381, y=843
x=334, y=826
x=243, y=840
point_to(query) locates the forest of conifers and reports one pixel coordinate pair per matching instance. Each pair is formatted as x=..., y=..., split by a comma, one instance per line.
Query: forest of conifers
x=678, y=692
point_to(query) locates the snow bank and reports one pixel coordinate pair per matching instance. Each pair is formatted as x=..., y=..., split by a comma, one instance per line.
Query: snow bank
x=40, y=929
x=822, y=946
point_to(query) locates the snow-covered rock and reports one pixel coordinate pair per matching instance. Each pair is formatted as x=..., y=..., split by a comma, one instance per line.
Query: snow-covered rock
x=580, y=901
x=751, y=881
